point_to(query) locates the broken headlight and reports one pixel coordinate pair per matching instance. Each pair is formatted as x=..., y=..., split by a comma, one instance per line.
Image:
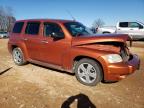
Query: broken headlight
x=113, y=58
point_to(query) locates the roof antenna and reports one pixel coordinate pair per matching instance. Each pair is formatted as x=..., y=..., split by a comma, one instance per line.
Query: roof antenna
x=70, y=15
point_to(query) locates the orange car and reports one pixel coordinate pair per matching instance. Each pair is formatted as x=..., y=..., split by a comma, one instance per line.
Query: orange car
x=70, y=46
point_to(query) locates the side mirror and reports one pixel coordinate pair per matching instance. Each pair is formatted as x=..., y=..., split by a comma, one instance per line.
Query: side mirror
x=57, y=35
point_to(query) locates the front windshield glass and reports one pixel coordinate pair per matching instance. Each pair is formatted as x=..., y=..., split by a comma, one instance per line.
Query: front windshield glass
x=77, y=29
x=141, y=23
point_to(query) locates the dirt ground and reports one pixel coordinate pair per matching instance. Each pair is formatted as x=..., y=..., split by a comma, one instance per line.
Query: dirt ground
x=33, y=86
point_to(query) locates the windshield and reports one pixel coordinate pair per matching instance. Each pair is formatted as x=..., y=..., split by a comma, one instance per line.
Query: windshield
x=77, y=29
x=141, y=23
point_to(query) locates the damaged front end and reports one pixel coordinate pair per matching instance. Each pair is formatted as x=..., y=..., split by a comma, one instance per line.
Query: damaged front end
x=112, y=53
x=117, y=47
x=115, y=44
x=119, y=69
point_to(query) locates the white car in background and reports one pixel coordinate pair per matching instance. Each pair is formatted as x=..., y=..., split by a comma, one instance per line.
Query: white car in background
x=3, y=34
x=134, y=29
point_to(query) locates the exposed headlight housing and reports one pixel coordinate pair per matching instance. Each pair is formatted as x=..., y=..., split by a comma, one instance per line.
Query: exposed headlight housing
x=113, y=58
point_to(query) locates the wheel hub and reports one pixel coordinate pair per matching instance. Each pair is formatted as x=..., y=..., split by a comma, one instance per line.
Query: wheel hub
x=87, y=73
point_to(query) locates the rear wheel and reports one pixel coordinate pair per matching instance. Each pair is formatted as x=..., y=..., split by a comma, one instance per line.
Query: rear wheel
x=106, y=32
x=18, y=56
x=88, y=72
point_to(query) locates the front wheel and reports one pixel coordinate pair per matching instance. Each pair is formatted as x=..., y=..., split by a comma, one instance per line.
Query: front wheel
x=88, y=72
x=18, y=56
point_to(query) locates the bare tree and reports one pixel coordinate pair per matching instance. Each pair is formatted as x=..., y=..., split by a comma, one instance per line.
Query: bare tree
x=96, y=24
x=2, y=18
x=6, y=18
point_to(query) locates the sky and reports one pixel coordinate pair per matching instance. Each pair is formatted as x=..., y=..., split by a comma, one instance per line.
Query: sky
x=85, y=11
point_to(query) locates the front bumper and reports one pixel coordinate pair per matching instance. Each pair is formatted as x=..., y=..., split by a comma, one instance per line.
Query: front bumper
x=117, y=71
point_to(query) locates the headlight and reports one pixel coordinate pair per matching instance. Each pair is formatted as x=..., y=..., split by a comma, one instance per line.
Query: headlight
x=113, y=58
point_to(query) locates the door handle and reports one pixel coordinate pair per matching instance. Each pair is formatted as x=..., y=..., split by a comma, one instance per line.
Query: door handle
x=25, y=39
x=44, y=41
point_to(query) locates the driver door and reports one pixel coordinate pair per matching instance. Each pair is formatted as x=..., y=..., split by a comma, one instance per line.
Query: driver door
x=52, y=50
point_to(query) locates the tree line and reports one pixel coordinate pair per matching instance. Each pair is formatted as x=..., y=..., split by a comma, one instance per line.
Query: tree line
x=7, y=19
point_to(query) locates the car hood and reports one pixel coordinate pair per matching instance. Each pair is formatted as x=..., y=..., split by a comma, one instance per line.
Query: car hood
x=84, y=40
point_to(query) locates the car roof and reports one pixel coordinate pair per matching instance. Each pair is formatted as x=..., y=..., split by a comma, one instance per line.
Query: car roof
x=45, y=20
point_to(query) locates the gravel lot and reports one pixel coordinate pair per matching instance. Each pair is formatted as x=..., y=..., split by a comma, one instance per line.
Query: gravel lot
x=33, y=86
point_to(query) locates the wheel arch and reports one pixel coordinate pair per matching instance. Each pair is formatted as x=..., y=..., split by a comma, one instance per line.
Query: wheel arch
x=104, y=32
x=13, y=46
x=78, y=58
x=23, y=48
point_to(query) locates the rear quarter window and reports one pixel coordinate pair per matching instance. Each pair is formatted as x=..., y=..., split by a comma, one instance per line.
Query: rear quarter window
x=18, y=27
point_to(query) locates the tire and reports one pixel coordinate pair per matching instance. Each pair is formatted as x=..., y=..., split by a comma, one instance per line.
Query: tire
x=106, y=32
x=91, y=77
x=4, y=37
x=18, y=56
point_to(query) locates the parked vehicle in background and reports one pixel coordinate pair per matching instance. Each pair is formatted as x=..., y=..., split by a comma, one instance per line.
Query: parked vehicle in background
x=3, y=34
x=134, y=29
x=69, y=46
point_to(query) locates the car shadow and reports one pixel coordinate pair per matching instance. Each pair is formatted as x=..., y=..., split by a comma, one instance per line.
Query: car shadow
x=109, y=82
x=83, y=101
x=2, y=72
x=60, y=71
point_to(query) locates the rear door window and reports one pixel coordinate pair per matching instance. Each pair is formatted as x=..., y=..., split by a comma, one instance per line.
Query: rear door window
x=32, y=28
x=123, y=24
x=18, y=27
